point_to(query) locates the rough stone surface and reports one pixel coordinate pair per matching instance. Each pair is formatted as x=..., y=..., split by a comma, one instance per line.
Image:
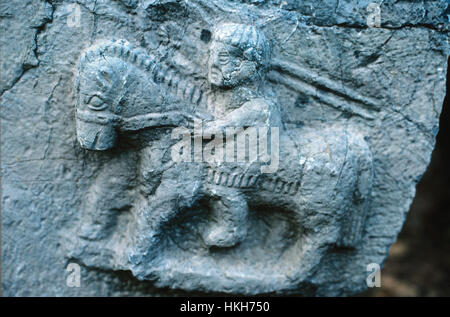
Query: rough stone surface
x=97, y=98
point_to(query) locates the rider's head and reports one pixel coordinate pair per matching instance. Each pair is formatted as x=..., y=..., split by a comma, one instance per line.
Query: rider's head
x=239, y=53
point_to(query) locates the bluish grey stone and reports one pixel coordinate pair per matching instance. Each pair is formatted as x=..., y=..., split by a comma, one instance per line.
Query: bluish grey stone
x=119, y=120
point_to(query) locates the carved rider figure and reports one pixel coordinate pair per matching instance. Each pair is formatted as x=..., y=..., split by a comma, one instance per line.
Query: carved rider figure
x=238, y=60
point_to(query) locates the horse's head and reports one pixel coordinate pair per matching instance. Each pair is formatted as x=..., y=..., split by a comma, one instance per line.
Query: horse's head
x=107, y=90
x=98, y=92
x=121, y=87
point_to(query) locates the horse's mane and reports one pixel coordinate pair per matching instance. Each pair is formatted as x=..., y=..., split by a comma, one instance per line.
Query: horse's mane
x=175, y=83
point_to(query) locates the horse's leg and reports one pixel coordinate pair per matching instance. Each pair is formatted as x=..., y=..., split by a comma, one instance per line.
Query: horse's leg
x=172, y=187
x=108, y=196
x=229, y=217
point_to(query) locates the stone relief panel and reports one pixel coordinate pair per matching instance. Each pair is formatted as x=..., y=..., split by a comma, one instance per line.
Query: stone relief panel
x=213, y=225
x=245, y=147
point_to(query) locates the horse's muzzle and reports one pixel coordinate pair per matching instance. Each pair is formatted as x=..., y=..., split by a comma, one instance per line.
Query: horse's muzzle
x=95, y=131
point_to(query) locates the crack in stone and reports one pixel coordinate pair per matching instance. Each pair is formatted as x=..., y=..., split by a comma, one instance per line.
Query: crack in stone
x=26, y=67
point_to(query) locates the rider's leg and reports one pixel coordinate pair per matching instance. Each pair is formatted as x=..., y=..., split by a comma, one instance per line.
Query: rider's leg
x=229, y=217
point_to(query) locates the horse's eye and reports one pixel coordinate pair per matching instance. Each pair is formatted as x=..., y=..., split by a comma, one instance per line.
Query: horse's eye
x=96, y=103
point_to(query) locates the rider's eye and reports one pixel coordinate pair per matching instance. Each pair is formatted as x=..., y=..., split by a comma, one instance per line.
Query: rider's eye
x=223, y=57
x=95, y=103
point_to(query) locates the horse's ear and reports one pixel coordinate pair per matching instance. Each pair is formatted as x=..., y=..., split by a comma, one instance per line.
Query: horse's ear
x=106, y=75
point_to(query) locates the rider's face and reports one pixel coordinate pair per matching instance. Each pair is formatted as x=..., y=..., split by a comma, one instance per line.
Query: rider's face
x=223, y=65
